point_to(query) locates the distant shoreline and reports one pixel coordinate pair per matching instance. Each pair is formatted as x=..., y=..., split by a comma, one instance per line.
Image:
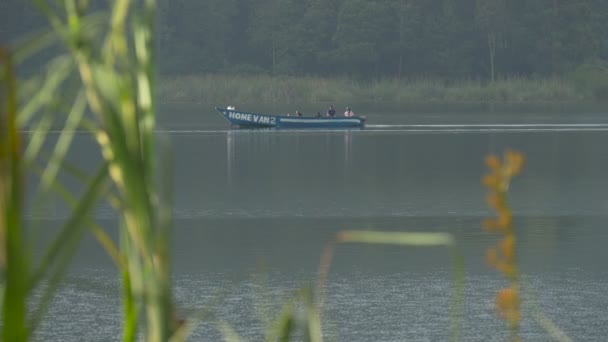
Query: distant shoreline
x=264, y=89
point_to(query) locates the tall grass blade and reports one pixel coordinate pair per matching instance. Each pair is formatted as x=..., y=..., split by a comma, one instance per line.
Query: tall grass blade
x=2, y=290
x=129, y=309
x=30, y=46
x=291, y=319
x=14, y=254
x=51, y=14
x=107, y=244
x=37, y=139
x=539, y=316
x=411, y=239
x=550, y=328
x=36, y=42
x=64, y=142
x=100, y=234
x=65, y=245
x=228, y=332
x=395, y=238
x=166, y=191
x=284, y=326
x=182, y=328
x=119, y=89
x=72, y=170
x=145, y=74
x=457, y=308
x=58, y=71
x=313, y=331
x=72, y=229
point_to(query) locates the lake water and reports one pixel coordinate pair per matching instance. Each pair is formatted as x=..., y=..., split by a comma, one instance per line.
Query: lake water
x=255, y=208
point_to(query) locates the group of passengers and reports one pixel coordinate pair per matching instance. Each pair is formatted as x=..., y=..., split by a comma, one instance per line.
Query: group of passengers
x=331, y=112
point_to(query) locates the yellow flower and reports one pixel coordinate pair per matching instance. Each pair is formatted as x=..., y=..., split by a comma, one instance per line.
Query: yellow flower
x=490, y=181
x=490, y=225
x=507, y=303
x=507, y=248
x=508, y=269
x=491, y=256
x=504, y=218
x=492, y=162
x=502, y=255
x=493, y=200
x=514, y=161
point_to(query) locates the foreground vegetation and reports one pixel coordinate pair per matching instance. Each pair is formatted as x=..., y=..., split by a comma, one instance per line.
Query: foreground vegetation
x=221, y=89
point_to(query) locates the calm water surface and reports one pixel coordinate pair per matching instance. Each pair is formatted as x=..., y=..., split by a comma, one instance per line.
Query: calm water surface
x=255, y=208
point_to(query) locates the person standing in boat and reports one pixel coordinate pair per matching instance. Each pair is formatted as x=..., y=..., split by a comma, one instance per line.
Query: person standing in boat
x=331, y=111
x=349, y=112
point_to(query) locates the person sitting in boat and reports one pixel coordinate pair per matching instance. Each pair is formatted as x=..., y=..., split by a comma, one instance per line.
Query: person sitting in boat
x=349, y=112
x=331, y=111
x=298, y=113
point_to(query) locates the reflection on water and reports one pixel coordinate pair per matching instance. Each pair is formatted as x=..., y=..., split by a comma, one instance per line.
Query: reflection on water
x=363, y=173
x=229, y=157
x=254, y=210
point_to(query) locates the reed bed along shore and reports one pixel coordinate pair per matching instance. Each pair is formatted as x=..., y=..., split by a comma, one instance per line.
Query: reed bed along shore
x=217, y=88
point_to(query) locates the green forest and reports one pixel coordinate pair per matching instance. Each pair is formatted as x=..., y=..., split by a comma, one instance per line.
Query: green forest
x=454, y=41
x=394, y=38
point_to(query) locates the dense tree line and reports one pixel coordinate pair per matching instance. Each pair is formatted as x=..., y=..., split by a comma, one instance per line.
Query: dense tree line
x=379, y=38
x=453, y=39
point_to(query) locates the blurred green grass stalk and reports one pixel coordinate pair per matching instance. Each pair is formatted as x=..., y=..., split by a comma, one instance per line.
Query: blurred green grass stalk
x=20, y=317
x=118, y=84
x=405, y=239
x=13, y=255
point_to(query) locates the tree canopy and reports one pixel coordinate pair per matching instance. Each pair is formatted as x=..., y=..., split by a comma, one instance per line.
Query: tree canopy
x=370, y=38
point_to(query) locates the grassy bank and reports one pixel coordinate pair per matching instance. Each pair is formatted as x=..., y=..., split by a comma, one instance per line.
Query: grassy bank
x=214, y=89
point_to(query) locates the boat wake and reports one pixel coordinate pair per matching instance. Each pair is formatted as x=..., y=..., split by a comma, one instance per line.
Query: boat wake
x=430, y=128
x=488, y=127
